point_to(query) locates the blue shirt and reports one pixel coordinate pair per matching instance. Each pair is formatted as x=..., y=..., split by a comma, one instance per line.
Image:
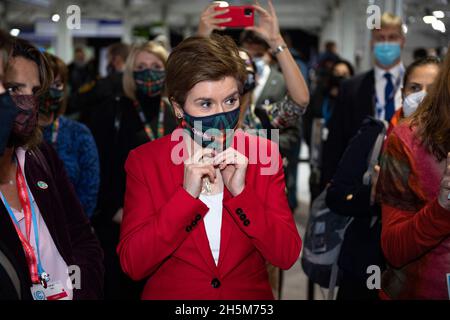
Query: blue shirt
x=76, y=147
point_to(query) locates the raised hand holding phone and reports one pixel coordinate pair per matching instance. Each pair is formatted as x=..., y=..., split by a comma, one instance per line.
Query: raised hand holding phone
x=239, y=17
x=268, y=27
x=209, y=20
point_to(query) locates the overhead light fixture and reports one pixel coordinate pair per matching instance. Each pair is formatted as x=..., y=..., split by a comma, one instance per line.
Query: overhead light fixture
x=439, y=14
x=14, y=32
x=56, y=17
x=429, y=19
x=438, y=25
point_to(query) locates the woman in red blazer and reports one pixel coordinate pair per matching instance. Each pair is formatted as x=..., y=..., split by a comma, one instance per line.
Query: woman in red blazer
x=201, y=220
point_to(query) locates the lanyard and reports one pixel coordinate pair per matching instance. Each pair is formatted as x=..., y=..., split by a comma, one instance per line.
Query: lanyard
x=37, y=273
x=55, y=130
x=146, y=124
x=326, y=110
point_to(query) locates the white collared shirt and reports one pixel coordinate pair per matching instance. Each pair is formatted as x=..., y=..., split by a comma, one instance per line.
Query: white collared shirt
x=213, y=222
x=397, y=73
x=51, y=259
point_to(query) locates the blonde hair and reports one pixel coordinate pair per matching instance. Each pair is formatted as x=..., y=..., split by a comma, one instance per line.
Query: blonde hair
x=129, y=85
x=391, y=20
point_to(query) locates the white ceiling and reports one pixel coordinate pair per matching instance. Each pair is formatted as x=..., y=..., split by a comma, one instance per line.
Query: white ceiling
x=309, y=15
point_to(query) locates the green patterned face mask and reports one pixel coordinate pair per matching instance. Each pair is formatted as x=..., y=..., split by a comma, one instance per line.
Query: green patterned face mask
x=215, y=131
x=149, y=82
x=51, y=101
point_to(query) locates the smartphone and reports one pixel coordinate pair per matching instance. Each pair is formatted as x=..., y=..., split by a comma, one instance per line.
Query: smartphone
x=241, y=16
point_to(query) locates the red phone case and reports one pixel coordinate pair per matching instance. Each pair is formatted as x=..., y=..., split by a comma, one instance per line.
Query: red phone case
x=241, y=16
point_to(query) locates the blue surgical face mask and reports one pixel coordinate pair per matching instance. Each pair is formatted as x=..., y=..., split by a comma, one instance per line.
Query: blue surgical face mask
x=386, y=53
x=412, y=102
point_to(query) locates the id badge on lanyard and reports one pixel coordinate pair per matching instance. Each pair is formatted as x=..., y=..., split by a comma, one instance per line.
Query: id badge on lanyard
x=53, y=291
x=39, y=278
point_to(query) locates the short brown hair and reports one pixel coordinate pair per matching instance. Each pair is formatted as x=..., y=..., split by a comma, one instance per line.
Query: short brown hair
x=119, y=49
x=198, y=59
x=251, y=37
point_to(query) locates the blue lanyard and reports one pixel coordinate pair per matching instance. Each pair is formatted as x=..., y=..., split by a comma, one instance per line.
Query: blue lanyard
x=326, y=110
x=35, y=226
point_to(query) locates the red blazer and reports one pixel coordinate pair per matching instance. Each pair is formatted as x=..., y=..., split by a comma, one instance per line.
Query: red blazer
x=163, y=237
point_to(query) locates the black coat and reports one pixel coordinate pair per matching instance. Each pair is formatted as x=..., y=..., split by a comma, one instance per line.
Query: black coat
x=362, y=241
x=354, y=103
x=105, y=88
x=117, y=130
x=65, y=220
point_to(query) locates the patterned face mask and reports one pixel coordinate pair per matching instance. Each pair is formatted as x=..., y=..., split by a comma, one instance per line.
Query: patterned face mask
x=51, y=102
x=27, y=118
x=149, y=82
x=215, y=131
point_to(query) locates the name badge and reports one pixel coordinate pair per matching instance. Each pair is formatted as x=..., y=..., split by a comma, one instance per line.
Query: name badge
x=54, y=291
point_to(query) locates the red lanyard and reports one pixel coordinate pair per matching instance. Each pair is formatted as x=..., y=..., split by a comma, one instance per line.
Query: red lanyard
x=28, y=212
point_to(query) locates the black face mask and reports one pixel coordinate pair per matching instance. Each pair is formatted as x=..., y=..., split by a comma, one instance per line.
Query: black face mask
x=8, y=114
x=110, y=70
x=335, y=81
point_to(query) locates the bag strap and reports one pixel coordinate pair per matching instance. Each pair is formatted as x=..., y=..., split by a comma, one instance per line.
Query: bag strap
x=11, y=272
x=375, y=154
x=335, y=267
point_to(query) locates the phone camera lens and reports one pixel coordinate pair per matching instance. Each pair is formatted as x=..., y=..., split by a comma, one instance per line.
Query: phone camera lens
x=248, y=12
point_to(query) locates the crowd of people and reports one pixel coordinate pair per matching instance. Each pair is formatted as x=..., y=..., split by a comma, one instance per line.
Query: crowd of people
x=177, y=177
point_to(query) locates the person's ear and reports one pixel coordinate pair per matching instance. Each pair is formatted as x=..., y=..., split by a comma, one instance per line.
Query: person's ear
x=177, y=108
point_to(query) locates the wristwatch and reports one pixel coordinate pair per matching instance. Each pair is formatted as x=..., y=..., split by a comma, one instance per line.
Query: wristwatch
x=279, y=49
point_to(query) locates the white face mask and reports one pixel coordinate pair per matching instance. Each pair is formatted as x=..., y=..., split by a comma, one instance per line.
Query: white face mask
x=412, y=101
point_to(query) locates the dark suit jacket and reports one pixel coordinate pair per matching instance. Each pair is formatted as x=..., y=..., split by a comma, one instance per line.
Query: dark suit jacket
x=274, y=89
x=354, y=103
x=117, y=130
x=361, y=246
x=66, y=222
